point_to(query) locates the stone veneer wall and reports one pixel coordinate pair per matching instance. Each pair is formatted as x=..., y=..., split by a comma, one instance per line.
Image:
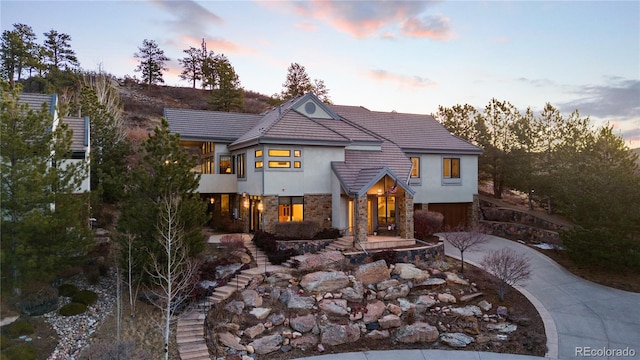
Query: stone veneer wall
x=405, y=215
x=521, y=232
x=423, y=254
x=317, y=207
x=361, y=220
x=304, y=246
x=270, y=212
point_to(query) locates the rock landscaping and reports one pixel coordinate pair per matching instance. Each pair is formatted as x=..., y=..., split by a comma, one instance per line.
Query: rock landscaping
x=371, y=306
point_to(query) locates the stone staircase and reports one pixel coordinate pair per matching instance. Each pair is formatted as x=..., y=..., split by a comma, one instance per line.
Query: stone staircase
x=341, y=244
x=190, y=333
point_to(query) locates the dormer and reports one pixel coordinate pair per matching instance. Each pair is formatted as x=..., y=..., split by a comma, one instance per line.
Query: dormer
x=310, y=106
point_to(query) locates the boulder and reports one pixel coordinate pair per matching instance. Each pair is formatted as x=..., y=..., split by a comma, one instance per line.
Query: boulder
x=235, y=307
x=396, y=292
x=333, y=334
x=378, y=335
x=455, y=279
x=469, y=310
x=260, y=313
x=324, y=281
x=410, y=272
x=229, y=340
x=447, y=298
x=303, y=324
x=267, y=344
x=469, y=297
x=254, y=331
x=300, y=302
x=417, y=332
x=276, y=319
x=389, y=321
x=320, y=260
x=429, y=284
x=484, y=305
x=242, y=256
x=503, y=327
x=304, y=342
x=502, y=311
x=456, y=339
x=467, y=324
x=426, y=301
x=334, y=306
x=251, y=298
x=373, y=272
x=373, y=311
x=387, y=284
x=354, y=293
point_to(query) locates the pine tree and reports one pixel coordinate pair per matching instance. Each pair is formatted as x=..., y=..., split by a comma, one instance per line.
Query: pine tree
x=17, y=51
x=152, y=60
x=43, y=225
x=58, y=52
x=191, y=66
x=228, y=95
x=298, y=82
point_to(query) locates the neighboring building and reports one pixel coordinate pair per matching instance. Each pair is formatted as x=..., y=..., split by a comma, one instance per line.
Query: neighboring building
x=346, y=167
x=80, y=146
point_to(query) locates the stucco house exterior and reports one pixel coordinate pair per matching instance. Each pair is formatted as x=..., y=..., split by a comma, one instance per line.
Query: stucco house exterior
x=360, y=171
x=80, y=145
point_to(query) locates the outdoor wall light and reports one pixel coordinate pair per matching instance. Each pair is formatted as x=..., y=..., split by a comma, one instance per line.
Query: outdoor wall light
x=246, y=203
x=260, y=206
x=212, y=200
x=379, y=192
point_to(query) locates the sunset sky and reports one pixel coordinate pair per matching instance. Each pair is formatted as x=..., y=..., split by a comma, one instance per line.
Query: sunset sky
x=408, y=56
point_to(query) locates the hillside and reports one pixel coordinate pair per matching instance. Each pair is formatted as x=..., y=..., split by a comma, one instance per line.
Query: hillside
x=637, y=151
x=144, y=106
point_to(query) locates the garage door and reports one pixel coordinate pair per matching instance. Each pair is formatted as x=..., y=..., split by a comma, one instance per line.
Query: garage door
x=454, y=213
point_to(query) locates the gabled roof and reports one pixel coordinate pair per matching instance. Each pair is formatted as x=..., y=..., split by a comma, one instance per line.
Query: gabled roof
x=412, y=132
x=360, y=167
x=209, y=125
x=35, y=101
x=80, y=127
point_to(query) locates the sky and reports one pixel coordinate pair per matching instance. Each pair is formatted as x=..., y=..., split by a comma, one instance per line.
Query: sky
x=404, y=56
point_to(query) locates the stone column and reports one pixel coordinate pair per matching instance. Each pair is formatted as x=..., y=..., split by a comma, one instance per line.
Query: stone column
x=475, y=210
x=361, y=216
x=317, y=207
x=270, y=212
x=405, y=215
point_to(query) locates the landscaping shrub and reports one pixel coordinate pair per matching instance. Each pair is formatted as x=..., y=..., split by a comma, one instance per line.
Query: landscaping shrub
x=73, y=309
x=38, y=299
x=231, y=226
x=602, y=248
x=86, y=297
x=265, y=241
x=297, y=230
x=5, y=342
x=327, y=233
x=21, y=352
x=232, y=242
x=67, y=290
x=279, y=257
x=426, y=223
x=18, y=328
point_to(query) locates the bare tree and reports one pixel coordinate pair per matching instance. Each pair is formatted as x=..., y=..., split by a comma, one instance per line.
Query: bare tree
x=508, y=268
x=172, y=272
x=465, y=238
x=127, y=242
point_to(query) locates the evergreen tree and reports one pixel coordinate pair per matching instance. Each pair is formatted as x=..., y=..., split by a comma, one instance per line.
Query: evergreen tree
x=191, y=66
x=208, y=61
x=58, y=52
x=43, y=225
x=152, y=60
x=17, y=51
x=228, y=95
x=164, y=171
x=298, y=82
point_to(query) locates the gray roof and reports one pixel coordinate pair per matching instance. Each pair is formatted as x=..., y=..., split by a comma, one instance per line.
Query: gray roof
x=80, y=127
x=360, y=167
x=412, y=132
x=35, y=101
x=209, y=125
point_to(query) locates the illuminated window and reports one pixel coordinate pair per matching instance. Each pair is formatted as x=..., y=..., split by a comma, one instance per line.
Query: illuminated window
x=226, y=164
x=415, y=169
x=290, y=208
x=241, y=166
x=224, y=204
x=279, y=152
x=297, y=164
x=259, y=164
x=279, y=164
x=451, y=168
x=207, y=165
x=258, y=153
x=297, y=153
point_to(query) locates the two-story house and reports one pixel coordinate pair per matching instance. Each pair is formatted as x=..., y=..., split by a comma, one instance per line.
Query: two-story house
x=360, y=171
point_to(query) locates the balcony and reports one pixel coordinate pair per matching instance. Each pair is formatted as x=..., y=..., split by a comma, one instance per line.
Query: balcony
x=218, y=183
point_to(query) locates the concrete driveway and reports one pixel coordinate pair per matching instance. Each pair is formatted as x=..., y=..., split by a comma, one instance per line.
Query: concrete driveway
x=582, y=319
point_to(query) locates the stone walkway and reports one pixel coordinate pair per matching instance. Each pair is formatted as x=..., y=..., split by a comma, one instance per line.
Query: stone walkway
x=190, y=333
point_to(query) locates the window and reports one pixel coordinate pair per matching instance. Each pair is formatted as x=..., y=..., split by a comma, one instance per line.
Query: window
x=242, y=166
x=226, y=165
x=297, y=164
x=258, y=153
x=280, y=164
x=290, y=208
x=259, y=164
x=415, y=169
x=279, y=152
x=224, y=204
x=207, y=165
x=297, y=153
x=451, y=168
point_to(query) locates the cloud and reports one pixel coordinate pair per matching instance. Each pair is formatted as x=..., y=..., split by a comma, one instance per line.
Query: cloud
x=619, y=98
x=307, y=26
x=536, y=82
x=190, y=17
x=363, y=19
x=431, y=26
x=402, y=81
